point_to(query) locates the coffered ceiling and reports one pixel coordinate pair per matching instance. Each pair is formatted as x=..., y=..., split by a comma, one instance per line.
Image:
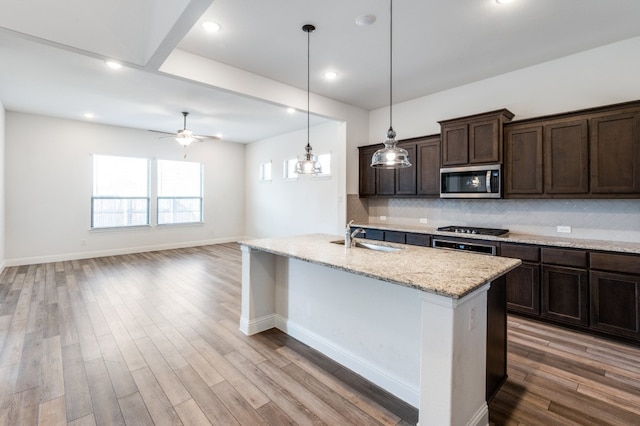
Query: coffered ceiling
x=52, y=53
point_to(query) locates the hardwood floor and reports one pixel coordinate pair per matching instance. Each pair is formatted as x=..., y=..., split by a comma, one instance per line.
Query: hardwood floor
x=152, y=338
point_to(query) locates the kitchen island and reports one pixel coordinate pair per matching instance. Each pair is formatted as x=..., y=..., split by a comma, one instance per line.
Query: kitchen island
x=413, y=322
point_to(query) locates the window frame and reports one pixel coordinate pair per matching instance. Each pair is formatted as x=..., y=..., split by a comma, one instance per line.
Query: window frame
x=95, y=198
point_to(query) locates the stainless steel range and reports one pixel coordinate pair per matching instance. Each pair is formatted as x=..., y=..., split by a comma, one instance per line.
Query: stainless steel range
x=474, y=230
x=473, y=245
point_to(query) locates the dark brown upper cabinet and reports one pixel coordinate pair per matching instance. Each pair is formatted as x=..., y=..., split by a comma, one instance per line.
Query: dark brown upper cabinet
x=427, y=162
x=523, y=160
x=420, y=180
x=592, y=153
x=367, y=174
x=566, y=157
x=475, y=139
x=405, y=178
x=615, y=153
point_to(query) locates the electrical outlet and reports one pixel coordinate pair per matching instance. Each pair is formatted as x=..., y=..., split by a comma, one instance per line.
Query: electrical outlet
x=472, y=318
x=383, y=218
x=83, y=242
x=423, y=220
x=563, y=229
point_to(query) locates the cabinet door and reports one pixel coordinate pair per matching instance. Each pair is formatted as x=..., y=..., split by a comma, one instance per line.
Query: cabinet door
x=484, y=141
x=615, y=154
x=523, y=160
x=565, y=294
x=395, y=236
x=614, y=303
x=523, y=289
x=566, y=158
x=455, y=144
x=374, y=234
x=428, y=167
x=406, y=177
x=414, y=239
x=367, y=174
x=385, y=181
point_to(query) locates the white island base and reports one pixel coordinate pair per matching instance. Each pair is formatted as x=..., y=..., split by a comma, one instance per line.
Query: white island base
x=427, y=349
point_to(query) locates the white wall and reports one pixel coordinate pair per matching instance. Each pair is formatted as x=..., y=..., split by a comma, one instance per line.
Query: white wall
x=601, y=76
x=2, y=186
x=305, y=205
x=48, y=189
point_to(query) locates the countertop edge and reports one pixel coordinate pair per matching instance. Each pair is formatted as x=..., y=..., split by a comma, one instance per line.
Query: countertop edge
x=256, y=244
x=512, y=237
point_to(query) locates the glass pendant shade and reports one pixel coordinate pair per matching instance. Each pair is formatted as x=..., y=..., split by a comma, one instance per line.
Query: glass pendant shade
x=391, y=156
x=308, y=164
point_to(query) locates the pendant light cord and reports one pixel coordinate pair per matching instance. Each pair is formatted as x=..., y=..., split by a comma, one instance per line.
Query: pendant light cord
x=308, y=83
x=390, y=64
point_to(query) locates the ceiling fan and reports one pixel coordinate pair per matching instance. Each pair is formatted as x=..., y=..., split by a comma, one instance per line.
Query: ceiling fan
x=185, y=136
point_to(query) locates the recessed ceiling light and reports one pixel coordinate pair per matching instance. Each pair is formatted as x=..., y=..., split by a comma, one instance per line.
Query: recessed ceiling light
x=210, y=26
x=503, y=1
x=365, y=20
x=291, y=110
x=89, y=115
x=114, y=65
x=330, y=75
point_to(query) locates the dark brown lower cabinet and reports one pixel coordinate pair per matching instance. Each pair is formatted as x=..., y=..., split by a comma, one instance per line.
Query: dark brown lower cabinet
x=395, y=236
x=614, y=303
x=423, y=240
x=565, y=295
x=496, y=337
x=523, y=289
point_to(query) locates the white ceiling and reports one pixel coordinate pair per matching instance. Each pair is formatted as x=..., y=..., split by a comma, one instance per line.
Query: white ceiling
x=52, y=53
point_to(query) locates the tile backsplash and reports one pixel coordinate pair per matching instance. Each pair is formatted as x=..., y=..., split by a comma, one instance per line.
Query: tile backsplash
x=611, y=220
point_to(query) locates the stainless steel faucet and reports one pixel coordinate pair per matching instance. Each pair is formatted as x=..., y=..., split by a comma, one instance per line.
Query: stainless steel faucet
x=349, y=236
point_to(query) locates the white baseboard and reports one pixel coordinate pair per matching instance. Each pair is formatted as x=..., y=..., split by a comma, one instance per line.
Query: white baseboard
x=257, y=325
x=115, y=252
x=388, y=382
x=481, y=417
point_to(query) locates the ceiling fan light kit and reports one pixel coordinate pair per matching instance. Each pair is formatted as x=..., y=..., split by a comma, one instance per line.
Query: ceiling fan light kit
x=309, y=164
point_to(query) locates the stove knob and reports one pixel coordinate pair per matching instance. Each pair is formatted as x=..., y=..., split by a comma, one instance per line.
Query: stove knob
x=474, y=232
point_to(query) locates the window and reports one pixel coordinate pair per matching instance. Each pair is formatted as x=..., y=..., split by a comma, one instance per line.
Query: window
x=179, y=192
x=325, y=163
x=120, y=192
x=290, y=169
x=265, y=171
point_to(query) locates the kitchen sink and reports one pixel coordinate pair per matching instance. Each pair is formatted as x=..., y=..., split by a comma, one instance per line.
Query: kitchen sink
x=369, y=246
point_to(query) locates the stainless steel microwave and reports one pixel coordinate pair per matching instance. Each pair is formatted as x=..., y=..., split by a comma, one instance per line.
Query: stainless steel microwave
x=471, y=182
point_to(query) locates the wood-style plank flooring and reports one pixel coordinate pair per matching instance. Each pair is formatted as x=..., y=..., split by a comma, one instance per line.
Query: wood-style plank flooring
x=152, y=338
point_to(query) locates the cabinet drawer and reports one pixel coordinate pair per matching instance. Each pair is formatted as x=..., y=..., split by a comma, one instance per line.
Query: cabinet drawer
x=374, y=234
x=395, y=236
x=575, y=258
x=519, y=251
x=423, y=240
x=624, y=263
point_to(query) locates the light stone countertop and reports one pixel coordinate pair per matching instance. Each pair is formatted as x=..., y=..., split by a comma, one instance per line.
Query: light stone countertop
x=448, y=273
x=512, y=237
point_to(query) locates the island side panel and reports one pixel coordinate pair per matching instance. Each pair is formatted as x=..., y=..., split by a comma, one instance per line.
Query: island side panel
x=453, y=364
x=258, y=291
x=370, y=326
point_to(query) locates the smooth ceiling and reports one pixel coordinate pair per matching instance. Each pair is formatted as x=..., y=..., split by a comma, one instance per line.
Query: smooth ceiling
x=52, y=53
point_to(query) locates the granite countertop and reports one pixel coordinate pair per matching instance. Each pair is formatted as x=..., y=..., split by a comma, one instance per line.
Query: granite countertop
x=512, y=237
x=448, y=273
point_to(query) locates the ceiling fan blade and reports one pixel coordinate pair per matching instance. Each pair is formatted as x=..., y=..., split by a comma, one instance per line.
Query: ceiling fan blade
x=158, y=131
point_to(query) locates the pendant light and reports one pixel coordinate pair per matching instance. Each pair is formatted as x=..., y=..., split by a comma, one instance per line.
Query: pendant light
x=309, y=164
x=391, y=156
